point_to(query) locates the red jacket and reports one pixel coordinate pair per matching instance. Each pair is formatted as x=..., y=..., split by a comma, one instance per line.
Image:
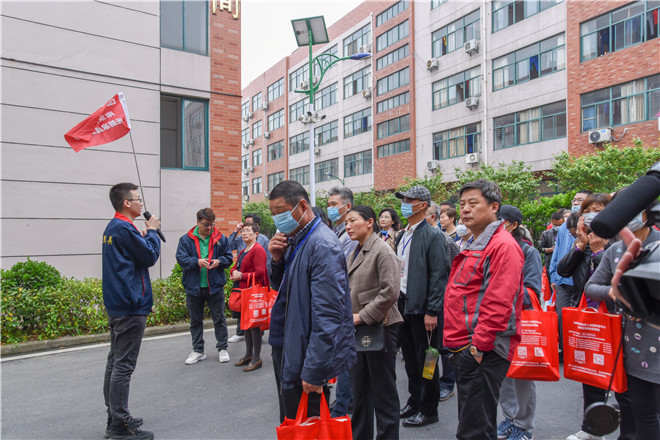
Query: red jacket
x=254, y=262
x=484, y=296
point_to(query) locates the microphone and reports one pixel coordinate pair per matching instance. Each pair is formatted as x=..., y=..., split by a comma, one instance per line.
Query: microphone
x=147, y=215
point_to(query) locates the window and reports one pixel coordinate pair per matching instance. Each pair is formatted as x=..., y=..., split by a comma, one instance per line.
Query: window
x=393, y=57
x=245, y=162
x=457, y=141
x=356, y=123
x=276, y=120
x=297, y=76
x=357, y=164
x=359, y=38
x=391, y=12
x=397, y=33
x=394, y=148
x=457, y=88
x=300, y=175
x=451, y=37
x=326, y=134
x=296, y=110
x=257, y=157
x=620, y=28
x=436, y=3
x=325, y=97
x=539, y=59
x=622, y=104
x=299, y=143
x=508, y=12
x=532, y=125
x=275, y=90
x=183, y=138
x=357, y=82
x=246, y=188
x=256, y=185
x=275, y=151
x=245, y=135
x=321, y=170
x=186, y=24
x=256, y=129
x=274, y=179
x=394, y=126
x=256, y=102
x=317, y=69
x=393, y=102
x=394, y=81
x=245, y=109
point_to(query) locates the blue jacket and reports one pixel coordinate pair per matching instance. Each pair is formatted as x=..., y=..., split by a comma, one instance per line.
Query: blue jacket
x=314, y=316
x=563, y=246
x=127, y=257
x=187, y=255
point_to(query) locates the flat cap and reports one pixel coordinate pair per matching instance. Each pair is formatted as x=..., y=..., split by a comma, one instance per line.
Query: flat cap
x=417, y=193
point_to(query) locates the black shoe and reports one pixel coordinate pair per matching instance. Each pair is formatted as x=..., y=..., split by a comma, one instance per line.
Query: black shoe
x=136, y=420
x=419, y=420
x=445, y=394
x=128, y=430
x=407, y=411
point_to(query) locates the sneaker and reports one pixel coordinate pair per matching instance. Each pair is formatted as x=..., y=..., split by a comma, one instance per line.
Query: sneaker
x=128, y=430
x=445, y=394
x=236, y=338
x=504, y=429
x=581, y=435
x=108, y=431
x=520, y=434
x=223, y=356
x=195, y=357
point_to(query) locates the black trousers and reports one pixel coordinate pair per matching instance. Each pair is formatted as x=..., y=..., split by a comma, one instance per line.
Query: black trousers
x=645, y=402
x=627, y=429
x=373, y=379
x=478, y=386
x=216, y=303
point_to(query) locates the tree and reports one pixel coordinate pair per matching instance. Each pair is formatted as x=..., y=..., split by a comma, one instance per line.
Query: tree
x=262, y=210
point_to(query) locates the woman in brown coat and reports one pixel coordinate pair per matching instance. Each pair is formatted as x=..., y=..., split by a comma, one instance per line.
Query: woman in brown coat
x=374, y=275
x=389, y=227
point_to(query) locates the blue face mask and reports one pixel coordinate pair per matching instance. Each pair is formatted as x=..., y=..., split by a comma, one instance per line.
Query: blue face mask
x=575, y=208
x=333, y=213
x=407, y=209
x=285, y=222
x=636, y=224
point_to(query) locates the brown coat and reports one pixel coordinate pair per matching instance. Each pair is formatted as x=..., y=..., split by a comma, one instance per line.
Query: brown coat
x=375, y=279
x=391, y=239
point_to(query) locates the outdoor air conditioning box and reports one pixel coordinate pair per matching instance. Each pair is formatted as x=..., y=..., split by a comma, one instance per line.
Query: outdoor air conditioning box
x=471, y=158
x=600, y=135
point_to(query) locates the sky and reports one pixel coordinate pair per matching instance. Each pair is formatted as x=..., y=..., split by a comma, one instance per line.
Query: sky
x=267, y=35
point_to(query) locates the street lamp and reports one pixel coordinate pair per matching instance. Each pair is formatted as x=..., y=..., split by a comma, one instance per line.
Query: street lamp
x=310, y=31
x=332, y=176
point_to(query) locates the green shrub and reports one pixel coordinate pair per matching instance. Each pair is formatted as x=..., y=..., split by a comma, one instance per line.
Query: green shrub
x=29, y=275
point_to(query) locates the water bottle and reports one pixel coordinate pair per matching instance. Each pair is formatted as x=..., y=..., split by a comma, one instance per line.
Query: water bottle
x=430, y=362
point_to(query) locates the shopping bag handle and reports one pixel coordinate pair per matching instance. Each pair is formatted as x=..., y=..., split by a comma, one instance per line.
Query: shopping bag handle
x=536, y=304
x=301, y=415
x=602, y=308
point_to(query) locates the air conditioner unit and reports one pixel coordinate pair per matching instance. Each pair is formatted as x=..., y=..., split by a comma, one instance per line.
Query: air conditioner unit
x=471, y=46
x=365, y=49
x=264, y=105
x=366, y=93
x=246, y=171
x=472, y=103
x=599, y=136
x=432, y=64
x=267, y=134
x=250, y=142
x=433, y=164
x=317, y=151
x=246, y=117
x=246, y=146
x=251, y=169
x=304, y=85
x=316, y=79
x=472, y=158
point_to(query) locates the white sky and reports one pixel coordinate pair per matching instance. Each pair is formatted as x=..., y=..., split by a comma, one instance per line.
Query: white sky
x=266, y=32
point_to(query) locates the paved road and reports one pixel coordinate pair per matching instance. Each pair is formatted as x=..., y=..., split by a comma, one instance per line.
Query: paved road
x=59, y=396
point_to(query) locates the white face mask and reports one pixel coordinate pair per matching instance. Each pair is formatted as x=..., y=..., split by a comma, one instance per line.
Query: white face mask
x=461, y=230
x=636, y=224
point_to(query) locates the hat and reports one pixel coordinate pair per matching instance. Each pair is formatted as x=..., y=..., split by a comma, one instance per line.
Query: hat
x=416, y=192
x=511, y=213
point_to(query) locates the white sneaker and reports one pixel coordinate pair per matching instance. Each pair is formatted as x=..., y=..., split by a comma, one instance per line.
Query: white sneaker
x=223, y=356
x=195, y=357
x=581, y=435
x=236, y=338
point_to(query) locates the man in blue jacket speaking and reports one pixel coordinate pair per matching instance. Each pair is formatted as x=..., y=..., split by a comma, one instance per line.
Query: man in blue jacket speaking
x=127, y=256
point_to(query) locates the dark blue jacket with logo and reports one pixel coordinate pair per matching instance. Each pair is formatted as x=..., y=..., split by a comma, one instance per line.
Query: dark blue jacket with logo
x=188, y=254
x=127, y=257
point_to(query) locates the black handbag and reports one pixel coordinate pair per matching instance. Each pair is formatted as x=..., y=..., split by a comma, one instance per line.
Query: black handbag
x=369, y=337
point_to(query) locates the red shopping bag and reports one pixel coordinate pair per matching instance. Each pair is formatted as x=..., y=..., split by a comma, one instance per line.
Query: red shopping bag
x=537, y=355
x=256, y=306
x=317, y=428
x=546, y=289
x=234, y=301
x=591, y=343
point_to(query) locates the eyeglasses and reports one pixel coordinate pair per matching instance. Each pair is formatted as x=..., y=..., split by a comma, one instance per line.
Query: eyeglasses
x=207, y=225
x=578, y=199
x=135, y=200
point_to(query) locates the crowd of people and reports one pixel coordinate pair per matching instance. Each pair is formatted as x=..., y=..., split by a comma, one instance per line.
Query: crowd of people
x=446, y=292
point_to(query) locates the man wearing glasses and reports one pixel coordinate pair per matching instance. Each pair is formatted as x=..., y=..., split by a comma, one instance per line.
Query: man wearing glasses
x=203, y=254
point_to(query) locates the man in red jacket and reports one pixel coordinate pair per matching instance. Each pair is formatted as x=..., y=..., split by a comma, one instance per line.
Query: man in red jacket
x=482, y=309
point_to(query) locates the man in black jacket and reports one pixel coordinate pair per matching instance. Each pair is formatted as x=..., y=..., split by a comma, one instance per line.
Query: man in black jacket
x=424, y=273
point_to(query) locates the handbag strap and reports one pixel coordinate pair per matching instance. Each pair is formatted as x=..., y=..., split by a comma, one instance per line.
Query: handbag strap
x=616, y=361
x=301, y=415
x=536, y=305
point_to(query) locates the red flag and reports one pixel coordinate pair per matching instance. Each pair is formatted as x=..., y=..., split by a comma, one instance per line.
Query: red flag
x=107, y=124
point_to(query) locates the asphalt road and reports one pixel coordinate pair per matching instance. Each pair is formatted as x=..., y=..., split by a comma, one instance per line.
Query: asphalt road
x=58, y=395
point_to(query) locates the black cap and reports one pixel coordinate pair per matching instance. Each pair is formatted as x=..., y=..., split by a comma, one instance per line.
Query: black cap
x=511, y=213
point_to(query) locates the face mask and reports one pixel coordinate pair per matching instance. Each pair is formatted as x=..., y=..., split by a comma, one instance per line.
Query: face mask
x=407, y=210
x=588, y=217
x=575, y=208
x=461, y=230
x=333, y=213
x=285, y=222
x=636, y=224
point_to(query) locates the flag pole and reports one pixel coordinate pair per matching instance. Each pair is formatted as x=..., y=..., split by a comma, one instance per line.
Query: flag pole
x=144, y=201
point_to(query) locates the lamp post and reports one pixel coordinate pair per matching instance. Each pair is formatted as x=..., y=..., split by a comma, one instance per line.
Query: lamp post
x=332, y=176
x=310, y=31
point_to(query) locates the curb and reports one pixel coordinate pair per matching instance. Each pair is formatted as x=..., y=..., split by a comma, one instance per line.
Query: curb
x=72, y=341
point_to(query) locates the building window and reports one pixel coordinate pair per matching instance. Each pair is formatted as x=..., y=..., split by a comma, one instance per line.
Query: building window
x=506, y=13
x=357, y=123
x=245, y=162
x=184, y=25
x=300, y=175
x=457, y=141
x=332, y=51
x=451, y=37
x=256, y=185
x=297, y=76
x=275, y=151
x=539, y=59
x=256, y=102
x=299, y=143
x=257, y=157
x=275, y=90
x=621, y=104
x=393, y=102
x=274, y=179
x=357, y=164
x=246, y=187
x=183, y=133
x=397, y=33
x=296, y=110
x=326, y=134
x=245, y=135
x=620, y=28
x=532, y=125
x=245, y=109
x=394, y=81
x=256, y=129
x=457, y=88
x=359, y=38
x=436, y=3
x=391, y=12
x=357, y=82
x=321, y=170
x=393, y=57
x=394, y=126
x=394, y=148
x=276, y=120
x=325, y=97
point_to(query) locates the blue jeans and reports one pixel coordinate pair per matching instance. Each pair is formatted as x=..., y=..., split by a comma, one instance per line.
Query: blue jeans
x=216, y=305
x=344, y=395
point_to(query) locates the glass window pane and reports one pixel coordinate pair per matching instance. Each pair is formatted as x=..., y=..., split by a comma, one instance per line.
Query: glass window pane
x=603, y=41
x=654, y=104
x=194, y=119
x=195, y=27
x=589, y=47
x=171, y=24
